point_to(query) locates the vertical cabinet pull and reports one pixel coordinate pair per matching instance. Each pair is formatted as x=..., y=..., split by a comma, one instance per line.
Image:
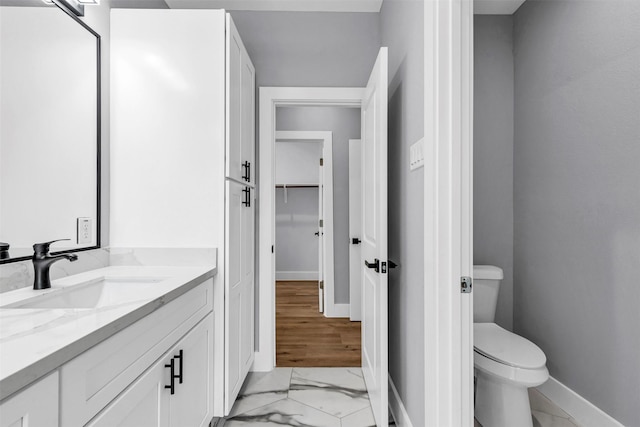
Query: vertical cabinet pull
x=180, y=367
x=247, y=171
x=172, y=371
x=247, y=196
x=172, y=375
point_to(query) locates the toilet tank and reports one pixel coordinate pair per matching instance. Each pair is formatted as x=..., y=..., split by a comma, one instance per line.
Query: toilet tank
x=486, y=284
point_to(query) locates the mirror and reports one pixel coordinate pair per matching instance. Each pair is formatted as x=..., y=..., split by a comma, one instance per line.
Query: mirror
x=49, y=130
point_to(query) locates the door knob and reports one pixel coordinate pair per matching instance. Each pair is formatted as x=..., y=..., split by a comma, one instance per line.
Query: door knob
x=355, y=241
x=317, y=233
x=374, y=265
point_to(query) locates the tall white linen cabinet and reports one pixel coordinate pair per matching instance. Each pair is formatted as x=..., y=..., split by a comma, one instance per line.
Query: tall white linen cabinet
x=183, y=160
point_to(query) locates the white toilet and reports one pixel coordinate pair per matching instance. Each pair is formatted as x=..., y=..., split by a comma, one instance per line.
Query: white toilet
x=505, y=364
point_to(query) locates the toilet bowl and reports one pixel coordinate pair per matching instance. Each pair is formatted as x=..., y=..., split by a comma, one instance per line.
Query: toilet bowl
x=505, y=364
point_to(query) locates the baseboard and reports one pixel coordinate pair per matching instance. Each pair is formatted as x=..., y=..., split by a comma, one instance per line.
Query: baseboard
x=337, y=310
x=397, y=408
x=261, y=362
x=583, y=411
x=296, y=275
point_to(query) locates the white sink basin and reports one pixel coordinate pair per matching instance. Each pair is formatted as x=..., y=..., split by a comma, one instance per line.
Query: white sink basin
x=100, y=292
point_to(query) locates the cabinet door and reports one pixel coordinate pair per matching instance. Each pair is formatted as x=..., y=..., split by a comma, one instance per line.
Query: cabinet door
x=248, y=272
x=36, y=406
x=233, y=101
x=192, y=402
x=233, y=311
x=240, y=114
x=248, y=111
x=143, y=404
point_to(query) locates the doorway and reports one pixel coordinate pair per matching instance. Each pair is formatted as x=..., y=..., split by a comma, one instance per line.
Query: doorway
x=312, y=286
x=372, y=102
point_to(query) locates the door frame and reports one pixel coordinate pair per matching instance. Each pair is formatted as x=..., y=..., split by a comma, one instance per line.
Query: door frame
x=270, y=99
x=355, y=230
x=331, y=309
x=448, y=208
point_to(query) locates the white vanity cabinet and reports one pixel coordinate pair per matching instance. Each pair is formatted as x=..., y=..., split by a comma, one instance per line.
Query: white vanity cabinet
x=126, y=380
x=175, y=391
x=35, y=406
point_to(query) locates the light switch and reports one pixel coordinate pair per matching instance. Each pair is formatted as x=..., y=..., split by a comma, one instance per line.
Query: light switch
x=416, y=155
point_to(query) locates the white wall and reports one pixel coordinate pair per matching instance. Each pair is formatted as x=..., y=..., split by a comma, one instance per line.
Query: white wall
x=173, y=196
x=48, y=132
x=297, y=162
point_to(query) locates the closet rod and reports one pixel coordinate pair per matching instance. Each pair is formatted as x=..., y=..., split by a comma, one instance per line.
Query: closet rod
x=298, y=186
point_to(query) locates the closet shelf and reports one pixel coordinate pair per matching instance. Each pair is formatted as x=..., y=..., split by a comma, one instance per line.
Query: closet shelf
x=287, y=186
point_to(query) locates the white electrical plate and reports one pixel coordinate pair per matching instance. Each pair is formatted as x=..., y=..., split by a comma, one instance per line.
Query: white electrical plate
x=84, y=230
x=416, y=155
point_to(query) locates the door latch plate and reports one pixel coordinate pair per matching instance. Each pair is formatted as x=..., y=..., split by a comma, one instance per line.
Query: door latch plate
x=466, y=284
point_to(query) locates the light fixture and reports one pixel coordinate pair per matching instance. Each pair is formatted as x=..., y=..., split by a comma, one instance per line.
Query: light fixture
x=71, y=6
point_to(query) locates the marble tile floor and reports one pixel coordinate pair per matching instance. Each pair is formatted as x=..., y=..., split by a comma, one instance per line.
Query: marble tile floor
x=309, y=397
x=546, y=413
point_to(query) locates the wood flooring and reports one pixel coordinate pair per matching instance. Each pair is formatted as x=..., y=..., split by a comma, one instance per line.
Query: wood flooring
x=304, y=337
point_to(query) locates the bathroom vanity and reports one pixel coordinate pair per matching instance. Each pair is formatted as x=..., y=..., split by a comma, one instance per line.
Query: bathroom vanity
x=113, y=346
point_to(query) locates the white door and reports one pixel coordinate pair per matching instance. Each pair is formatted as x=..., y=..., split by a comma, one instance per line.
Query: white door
x=355, y=230
x=320, y=233
x=375, y=358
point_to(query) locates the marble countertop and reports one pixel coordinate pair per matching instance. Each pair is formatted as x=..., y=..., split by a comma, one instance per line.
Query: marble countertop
x=34, y=342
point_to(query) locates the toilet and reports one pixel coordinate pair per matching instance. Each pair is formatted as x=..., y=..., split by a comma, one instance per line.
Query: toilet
x=505, y=364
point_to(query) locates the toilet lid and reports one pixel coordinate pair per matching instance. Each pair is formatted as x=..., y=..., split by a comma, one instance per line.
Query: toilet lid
x=503, y=346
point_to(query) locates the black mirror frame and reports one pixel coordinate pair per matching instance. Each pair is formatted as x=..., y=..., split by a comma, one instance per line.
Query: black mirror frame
x=98, y=144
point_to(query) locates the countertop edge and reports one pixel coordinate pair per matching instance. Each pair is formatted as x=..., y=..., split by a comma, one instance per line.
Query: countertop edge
x=20, y=380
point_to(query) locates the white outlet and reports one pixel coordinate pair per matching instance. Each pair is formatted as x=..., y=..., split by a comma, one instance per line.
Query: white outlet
x=84, y=230
x=416, y=155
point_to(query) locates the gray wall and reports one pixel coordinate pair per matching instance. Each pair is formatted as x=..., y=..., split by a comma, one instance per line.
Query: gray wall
x=577, y=195
x=310, y=49
x=296, y=223
x=493, y=153
x=402, y=25
x=345, y=125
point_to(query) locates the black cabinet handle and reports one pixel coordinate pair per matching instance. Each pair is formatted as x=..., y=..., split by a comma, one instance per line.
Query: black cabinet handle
x=247, y=171
x=172, y=367
x=180, y=359
x=375, y=265
x=247, y=196
x=355, y=241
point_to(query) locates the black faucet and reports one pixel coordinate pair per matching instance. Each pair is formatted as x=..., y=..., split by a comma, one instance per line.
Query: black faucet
x=42, y=261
